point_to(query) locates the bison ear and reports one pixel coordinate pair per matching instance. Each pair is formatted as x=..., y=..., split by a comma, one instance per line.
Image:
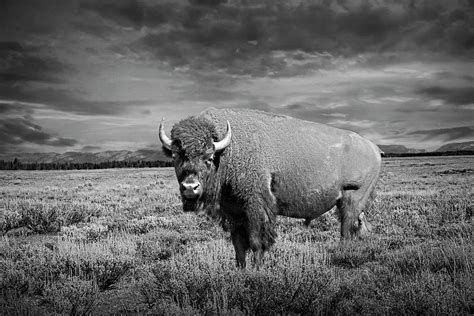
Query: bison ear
x=168, y=153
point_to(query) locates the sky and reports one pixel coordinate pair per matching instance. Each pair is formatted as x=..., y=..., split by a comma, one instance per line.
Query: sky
x=86, y=75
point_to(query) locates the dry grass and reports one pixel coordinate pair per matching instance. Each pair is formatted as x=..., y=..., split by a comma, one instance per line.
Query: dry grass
x=116, y=241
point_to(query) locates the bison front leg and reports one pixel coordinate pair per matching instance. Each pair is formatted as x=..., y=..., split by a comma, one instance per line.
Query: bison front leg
x=241, y=244
x=262, y=234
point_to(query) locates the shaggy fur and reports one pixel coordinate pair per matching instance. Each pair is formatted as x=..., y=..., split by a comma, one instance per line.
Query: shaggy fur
x=275, y=165
x=192, y=135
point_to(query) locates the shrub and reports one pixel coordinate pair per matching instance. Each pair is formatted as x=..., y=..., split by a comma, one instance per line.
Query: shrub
x=43, y=217
x=26, y=268
x=71, y=295
x=163, y=244
x=104, y=261
x=205, y=278
x=90, y=232
x=147, y=223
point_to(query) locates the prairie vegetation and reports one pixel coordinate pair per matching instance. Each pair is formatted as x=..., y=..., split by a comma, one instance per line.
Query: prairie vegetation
x=116, y=241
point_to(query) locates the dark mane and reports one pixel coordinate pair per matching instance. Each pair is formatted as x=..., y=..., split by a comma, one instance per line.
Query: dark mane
x=193, y=135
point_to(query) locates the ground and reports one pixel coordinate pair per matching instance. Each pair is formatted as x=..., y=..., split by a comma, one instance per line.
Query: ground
x=116, y=241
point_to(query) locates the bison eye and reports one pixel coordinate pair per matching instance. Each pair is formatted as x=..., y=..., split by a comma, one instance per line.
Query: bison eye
x=209, y=161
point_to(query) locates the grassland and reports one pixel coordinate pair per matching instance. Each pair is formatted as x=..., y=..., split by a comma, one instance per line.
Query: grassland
x=116, y=241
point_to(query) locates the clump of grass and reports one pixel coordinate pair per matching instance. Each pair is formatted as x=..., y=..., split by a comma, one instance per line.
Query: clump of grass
x=147, y=223
x=459, y=230
x=42, y=217
x=163, y=244
x=105, y=261
x=430, y=294
x=89, y=232
x=451, y=257
x=25, y=268
x=355, y=254
x=71, y=295
x=69, y=267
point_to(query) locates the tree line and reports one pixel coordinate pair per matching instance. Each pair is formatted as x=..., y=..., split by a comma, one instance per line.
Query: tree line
x=430, y=154
x=18, y=165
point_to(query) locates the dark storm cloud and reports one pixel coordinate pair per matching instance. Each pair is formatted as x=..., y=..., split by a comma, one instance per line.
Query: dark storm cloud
x=210, y=3
x=453, y=76
x=14, y=108
x=35, y=17
x=447, y=134
x=11, y=47
x=131, y=13
x=64, y=100
x=128, y=13
x=16, y=131
x=241, y=36
x=21, y=63
x=454, y=95
x=101, y=30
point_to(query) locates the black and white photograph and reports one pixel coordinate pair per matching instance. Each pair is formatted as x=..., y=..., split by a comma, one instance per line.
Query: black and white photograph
x=236, y=157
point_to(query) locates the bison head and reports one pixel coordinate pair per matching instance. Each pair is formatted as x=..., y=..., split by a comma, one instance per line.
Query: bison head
x=194, y=147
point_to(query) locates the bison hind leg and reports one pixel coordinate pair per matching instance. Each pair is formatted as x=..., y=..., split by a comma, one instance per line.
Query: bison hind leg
x=347, y=215
x=351, y=205
x=351, y=215
x=364, y=226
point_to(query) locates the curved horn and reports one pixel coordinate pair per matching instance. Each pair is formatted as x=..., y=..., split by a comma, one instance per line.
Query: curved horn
x=222, y=144
x=163, y=138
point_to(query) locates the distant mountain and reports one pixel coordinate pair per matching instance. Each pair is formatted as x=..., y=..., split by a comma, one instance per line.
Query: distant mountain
x=81, y=157
x=399, y=149
x=457, y=146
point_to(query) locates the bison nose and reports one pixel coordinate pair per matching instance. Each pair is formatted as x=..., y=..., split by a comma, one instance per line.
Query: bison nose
x=191, y=186
x=191, y=189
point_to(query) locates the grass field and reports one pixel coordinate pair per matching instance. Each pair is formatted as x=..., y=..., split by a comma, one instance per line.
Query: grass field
x=116, y=241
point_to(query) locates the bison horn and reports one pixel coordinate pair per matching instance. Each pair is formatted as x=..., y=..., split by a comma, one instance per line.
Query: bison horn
x=163, y=138
x=222, y=144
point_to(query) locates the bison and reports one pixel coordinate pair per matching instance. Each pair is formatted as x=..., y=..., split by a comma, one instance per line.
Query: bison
x=246, y=167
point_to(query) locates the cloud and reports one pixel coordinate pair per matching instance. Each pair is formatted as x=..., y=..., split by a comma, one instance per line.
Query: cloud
x=447, y=134
x=17, y=131
x=15, y=108
x=91, y=148
x=450, y=75
x=242, y=37
x=453, y=95
x=363, y=127
x=21, y=63
x=102, y=30
x=131, y=13
x=66, y=101
x=11, y=46
x=210, y=3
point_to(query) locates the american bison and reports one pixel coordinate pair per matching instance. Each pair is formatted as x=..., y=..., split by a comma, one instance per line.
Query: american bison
x=247, y=167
